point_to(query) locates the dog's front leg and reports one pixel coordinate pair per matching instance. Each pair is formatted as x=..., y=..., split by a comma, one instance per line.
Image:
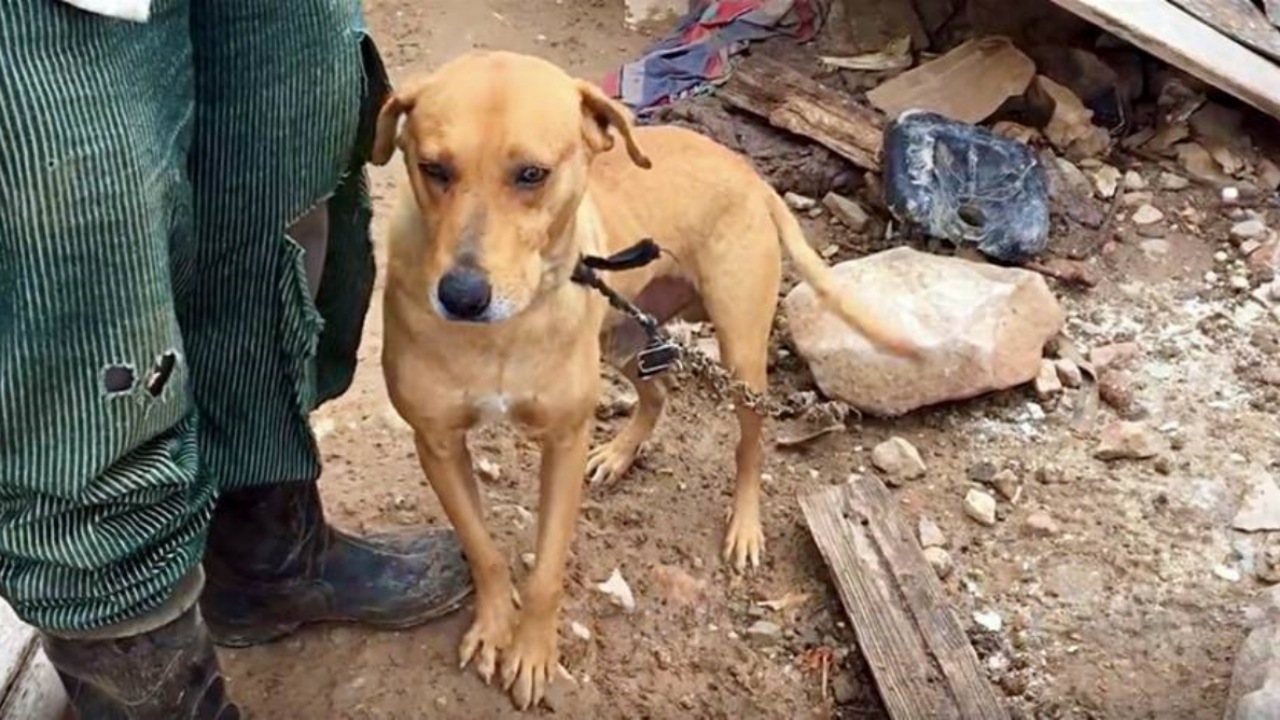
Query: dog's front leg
x=447, y=464
x=529, y=665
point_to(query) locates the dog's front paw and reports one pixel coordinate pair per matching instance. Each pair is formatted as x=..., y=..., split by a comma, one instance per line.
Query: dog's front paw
x=528, y=665
x=489, y=636
x=744, y=540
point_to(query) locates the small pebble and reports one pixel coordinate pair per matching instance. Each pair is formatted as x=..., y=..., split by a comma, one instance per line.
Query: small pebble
x=1252, y=229
x=1006, y=483
x=847, y=211
x=488, y=470
x=940, y=560
x=1051, y=475
x=1239, y=282
x=1122, y=440
x=582, y=632
x=1170, y=181
x=980, y=507
x=764, y=630
x=618, y=591
x=898, y=460
x=1147, y=215
x=990, y=620
x=1047, y=383
x=1230, y=574
x=930, y=534
x=800, y=203
x=1134, y=181
x=1068, y=373
x=1041, y=524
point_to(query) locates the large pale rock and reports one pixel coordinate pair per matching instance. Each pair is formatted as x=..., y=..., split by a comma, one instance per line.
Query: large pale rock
x=978, y=327
x=1255, y=680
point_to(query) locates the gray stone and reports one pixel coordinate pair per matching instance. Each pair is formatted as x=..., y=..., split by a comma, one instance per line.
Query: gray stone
x=1252, y=229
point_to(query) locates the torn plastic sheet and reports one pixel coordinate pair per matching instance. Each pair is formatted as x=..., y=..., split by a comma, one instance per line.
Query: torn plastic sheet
x=965, y=184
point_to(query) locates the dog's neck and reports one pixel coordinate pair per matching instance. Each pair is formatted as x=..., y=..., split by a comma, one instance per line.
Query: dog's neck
x=583, y=236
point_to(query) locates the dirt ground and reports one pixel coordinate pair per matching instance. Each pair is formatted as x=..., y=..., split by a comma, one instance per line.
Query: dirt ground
x=1132, y=607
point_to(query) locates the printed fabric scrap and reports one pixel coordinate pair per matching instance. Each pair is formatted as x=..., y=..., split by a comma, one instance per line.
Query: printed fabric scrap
x=696, y=56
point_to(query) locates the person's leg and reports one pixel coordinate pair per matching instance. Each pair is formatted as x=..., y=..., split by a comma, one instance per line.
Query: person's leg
x=103, y=504
x=284, y=95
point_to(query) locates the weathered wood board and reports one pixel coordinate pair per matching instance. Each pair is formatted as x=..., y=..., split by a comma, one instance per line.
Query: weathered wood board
x=918, y=652
x=29, y=686
x=1182, y=40
x=794, y=102
x=37, y=694
x=1239, y=19
x=16, y=641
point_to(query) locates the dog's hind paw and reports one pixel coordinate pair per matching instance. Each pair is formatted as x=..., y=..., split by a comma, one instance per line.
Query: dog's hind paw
x=609, y=462
x=744, y=541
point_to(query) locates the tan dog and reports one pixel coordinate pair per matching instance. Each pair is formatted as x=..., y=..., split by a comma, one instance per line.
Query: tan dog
x=512, y=177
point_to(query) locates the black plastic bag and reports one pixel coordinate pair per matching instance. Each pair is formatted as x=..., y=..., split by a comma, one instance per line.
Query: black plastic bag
x=965, y=184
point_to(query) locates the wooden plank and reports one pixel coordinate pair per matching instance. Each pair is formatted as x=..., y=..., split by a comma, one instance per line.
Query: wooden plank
x=1239, y=19
x=16, y=640
x=793, y=102
x=38, y=693
x=918, y=652
x=1178, y=38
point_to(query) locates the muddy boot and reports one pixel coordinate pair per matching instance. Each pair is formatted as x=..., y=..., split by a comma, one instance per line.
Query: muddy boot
x=159, y=667
x=274, y=564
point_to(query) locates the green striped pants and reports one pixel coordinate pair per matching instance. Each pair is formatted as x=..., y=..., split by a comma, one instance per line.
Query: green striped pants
x=159, y=339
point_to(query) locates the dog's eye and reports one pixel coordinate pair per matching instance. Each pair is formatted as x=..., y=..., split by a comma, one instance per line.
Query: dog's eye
x=437, y=172
x=531, y=176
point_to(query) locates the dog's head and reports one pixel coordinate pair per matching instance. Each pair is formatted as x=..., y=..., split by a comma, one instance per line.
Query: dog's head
x=497, y=147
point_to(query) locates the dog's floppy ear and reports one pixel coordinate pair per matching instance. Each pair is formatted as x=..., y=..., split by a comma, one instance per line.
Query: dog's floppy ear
x=384, y=139
x=602, y=113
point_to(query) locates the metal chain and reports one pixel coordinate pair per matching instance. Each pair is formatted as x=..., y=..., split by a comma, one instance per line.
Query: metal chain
x=692, y=360
x=720, y=381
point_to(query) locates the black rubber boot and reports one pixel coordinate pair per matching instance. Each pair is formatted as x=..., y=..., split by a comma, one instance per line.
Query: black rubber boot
x=273, y=564
x=170, y=673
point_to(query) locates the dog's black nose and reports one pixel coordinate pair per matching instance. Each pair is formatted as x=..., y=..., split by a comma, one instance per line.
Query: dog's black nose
x=464, y=292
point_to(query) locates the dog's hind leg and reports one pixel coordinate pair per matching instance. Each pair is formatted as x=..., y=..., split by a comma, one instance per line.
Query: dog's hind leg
x=611, y=461
x=663, y=298
x=742, y=309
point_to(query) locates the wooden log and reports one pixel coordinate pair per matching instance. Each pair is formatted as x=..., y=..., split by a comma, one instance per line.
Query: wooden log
x=790, y=101
x=918, y=652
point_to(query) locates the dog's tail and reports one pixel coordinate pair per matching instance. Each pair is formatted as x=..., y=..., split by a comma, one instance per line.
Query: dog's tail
x=814, y=270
